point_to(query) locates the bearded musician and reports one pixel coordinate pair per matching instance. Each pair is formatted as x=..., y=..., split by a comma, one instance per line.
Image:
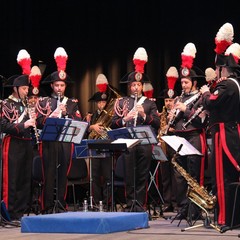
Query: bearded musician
x=130, y=111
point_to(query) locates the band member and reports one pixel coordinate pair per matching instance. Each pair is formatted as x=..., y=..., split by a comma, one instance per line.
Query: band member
x=17, y=143
x=224, y=107
x=101, y=167
x=184, y=107
x=56, y=156
x=167, y=170
x=130, y=111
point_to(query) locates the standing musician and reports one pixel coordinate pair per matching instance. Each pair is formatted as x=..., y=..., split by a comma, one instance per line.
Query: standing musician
x=56, y=156
x=194, y=133
x=167, y=170
x=136, y=110
x=224, y=109
x=17, y=143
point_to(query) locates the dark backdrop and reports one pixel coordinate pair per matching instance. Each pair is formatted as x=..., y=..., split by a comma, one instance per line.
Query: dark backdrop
x=96, y=33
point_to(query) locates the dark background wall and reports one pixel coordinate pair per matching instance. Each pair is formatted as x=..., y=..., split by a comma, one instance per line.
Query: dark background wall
x=101, y=36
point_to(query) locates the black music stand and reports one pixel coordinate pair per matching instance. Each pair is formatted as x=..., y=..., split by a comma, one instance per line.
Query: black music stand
x=146, y=136
x=111, y=148
x=62, y=130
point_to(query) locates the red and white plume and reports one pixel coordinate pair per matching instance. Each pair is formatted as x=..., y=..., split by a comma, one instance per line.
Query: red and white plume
x=148, y=90
x=188, y=55
x=210, y=74
x=172, y=76
x=234, y=49
x=35, y=77
x=25, y=61
x=101, y=82
x=139, y=59
x=224, y=38
x=61, y=57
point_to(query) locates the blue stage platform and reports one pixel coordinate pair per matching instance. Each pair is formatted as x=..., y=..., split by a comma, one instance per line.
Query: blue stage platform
x=84, y=222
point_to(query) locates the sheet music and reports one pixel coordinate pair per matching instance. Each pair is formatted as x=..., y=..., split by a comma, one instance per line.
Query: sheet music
x=74, y=132
x=175, y=141
x=145, y=133
x=129, y=142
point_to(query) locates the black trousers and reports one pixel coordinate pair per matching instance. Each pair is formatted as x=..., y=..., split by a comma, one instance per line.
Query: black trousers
x=138, y=158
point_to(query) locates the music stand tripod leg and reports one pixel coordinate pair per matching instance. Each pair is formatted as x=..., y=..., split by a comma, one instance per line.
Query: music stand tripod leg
x=57, y=202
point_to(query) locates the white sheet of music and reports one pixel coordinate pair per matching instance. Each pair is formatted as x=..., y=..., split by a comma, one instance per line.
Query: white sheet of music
x=175, y=142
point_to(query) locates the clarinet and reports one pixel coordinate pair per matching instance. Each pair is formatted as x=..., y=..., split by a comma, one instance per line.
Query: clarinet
x=197, y=112
x=58, y=103
x=135, y=105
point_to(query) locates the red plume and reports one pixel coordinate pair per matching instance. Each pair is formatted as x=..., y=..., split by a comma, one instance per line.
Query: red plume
x=139, y=59
x=24, y=60
x=224, y=38
x=188, y=55
x=61, y=57
x=148, y=90
x=101, y=82
x=35, y=77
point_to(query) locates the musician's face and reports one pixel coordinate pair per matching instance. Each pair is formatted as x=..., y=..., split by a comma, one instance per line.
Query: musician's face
x=169, y=103
x=186, y=85
x=59, y=87
x=101, y=105
x=21, y=92
x=136, y=87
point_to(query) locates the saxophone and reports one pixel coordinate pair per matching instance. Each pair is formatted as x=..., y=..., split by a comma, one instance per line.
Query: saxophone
x=196, y=193
x=105, y=117
x=163, y=124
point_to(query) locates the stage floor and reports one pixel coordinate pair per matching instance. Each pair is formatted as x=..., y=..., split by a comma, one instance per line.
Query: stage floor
x=160, y=228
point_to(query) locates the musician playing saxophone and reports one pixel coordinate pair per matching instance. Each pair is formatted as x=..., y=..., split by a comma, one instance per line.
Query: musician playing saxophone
x=194, y=134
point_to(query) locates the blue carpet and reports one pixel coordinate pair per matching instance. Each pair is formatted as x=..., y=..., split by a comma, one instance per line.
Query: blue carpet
x=84, y=222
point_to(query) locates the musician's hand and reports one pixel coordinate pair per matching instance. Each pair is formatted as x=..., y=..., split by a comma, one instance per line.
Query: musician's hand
x=130, y=116
x=55, y=113
x=63, y=108
x=98, y=127
x=204, y=89
x=181, y=106
x=140, y=110
x=30, y=123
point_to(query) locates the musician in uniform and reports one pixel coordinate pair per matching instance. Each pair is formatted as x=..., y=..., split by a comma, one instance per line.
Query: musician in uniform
x=17, y=148
x=224, y=109
x=184, y=107
x=167, y=170
x=56, y=156
x=130, y=111
x=101, y=167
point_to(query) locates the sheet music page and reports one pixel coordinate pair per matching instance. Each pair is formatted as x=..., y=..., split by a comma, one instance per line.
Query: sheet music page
x=145, y=133
x=129, y=142
x=175, y=141
x=75, y=131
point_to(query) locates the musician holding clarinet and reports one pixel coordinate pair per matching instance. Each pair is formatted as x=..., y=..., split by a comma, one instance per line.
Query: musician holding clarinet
x=184, y=108
x=130, y=111
x=17, y=145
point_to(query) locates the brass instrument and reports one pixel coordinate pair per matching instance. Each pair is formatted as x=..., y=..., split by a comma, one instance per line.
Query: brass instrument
x=105, y=117
x=163, y=124
x=31, y=107
x=196, y=193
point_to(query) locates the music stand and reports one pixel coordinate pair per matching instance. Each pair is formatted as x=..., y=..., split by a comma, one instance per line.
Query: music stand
x=146, y=135
x=111, y=148
x=62, y=130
